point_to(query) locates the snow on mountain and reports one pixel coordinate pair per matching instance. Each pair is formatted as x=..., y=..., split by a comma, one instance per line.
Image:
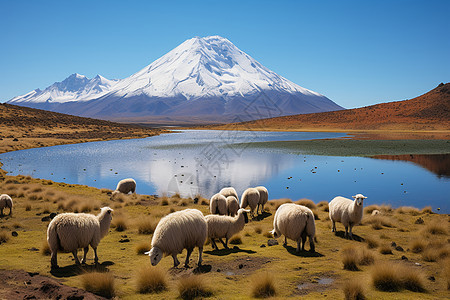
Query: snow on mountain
x=209, y=78
x=76, y=87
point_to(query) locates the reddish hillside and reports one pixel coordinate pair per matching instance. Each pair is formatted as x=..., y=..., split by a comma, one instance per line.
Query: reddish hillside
x=430, y=111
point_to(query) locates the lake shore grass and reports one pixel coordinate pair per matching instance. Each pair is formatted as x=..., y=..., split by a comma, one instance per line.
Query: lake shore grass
x=227, y=273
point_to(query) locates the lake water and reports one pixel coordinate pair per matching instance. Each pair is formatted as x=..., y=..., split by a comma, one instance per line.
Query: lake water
x=202, y=162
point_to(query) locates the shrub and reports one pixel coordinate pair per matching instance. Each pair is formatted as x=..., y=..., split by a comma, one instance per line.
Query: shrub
x=235, y=240
x=371, y=242
x=119, y=223
x=418, y=245
x=99, y=283
x=435, y=228
x=353, y=290
x=386, y=278
x=430, y=254
x=142, y=247
x=146, y=225
x=366, y=257
x=192, y=287
x=412, y=279
x=151, y=280
x=350, y=259
x=263, y=285
x=308, y=203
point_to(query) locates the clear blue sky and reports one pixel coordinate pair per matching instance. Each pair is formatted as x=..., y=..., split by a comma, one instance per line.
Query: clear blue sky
x=356, y=53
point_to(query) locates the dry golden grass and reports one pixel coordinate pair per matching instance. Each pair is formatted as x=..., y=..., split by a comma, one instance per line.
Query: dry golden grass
x=350, y=258
x=366, y=257
x=353, y=290
x=418, y=245
x=308, y=203
x=446, y=272
x=426, y=210
x=235, y=240
x=392, y=277
x=146, y=225
x=143, y=247
x=193, y=286
x=378, y=221
x=263, y=285
x=435, y=228
x=99, y=283
x=385, y=249
x=45, y=249
x=4, y=236
x=408, y=210
x=274, y=204
x=120, y=223
x=372, y=242
x=151, y=280
x=258, y=229
x=323, y=205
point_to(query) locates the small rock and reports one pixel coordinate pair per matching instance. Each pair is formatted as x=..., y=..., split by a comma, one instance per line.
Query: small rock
x=419, y=221
x=272, y=242
x=241, y=266
x=52, y=215
x=404, y=257
x=218, y=270
x=124, y=241
x=45, y=219
x=262, y=246
x=15, y=140
x=14, y=233
x=33, y=249
x=431, y=278
x=235, y=248
x=124, y=236
x=32, y=274
x=399, y=248
x=393, y=244
x=195, y=200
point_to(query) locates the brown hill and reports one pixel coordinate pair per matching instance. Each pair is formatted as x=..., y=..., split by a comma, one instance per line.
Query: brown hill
x=430, y=111
x=23, y=127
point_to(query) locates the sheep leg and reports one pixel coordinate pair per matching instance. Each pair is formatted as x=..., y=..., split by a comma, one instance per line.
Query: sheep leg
x=86, y=249
x=213, y=243
x=298, y=246
x=224, y=244
x=257, y=208
x=285, y=241
x=304, y=240
x=186, y=263
x=74, y=252
x=54, y=260
x=175, y=260
x=200, y=252
x=346, y=231
x=350, y=234
x=312, y=248
x=333, y=227
x=95, y=255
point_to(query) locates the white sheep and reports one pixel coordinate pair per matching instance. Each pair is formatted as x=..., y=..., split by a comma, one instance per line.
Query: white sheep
x=295, y=222
x=263, y=197
x=68, y=232
x=232, y=206
x=225, y=226
x=375, y=212
x=125, y=186
x=185, y=229
x=250, y=197
x=5, y=201
x=346, y=211
x=229, y=191
x=218, y=204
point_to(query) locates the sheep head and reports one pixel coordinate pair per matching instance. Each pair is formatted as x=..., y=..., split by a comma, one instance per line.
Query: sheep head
x=156, y=255
x=359, y=198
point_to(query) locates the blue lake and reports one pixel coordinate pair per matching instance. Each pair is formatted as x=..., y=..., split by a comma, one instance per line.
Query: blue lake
x=202, y=162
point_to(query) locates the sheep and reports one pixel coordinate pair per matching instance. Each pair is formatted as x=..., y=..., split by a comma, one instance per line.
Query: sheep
x=218, y=204
x=229, y=191
x=263, y=197
x=225, y=226
x=295, y=222
x=346, y=211
x=125, y=186
x=250, y=197
x=232, y=206
x=375, y=212
x=69, y=231
x=5, y=201
x=185, y=229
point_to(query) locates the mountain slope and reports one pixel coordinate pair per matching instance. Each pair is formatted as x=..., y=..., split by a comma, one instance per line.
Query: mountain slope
x=202, y=77
x=430, y=111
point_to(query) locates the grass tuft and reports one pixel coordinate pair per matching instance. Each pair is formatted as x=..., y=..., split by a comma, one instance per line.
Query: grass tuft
x=385, y=249
x=146, y=225
x=151, y=280
x=4, y=237
x=391, y=277
x=308, y=203
x=235, y=240
x=446, y=272
x=193, y=287
x=263, y=285
x=435, y=228
x=366, y=257
x=353, y=290
x=372, y=242
x=99, y=283
x=258, y=230
x=142, y=247
x=418, y=245
x=426, y=210
x=120, y=223
x=350, y=259
x=408, y=210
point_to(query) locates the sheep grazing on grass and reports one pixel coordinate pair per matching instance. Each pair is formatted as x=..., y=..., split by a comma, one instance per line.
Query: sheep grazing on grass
x=69, y=231
x=125, y=186
x=225, y=227
x=232, y=206
x=218, y=204
x=346, y=211
x=185, y=229
x=5, y=201
x=229, y=191
x=250, y=197
x=263, y=197
x=295, y=222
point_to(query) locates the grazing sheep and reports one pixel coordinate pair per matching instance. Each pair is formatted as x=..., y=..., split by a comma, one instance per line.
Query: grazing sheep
x=185, y=229
x=346, y=211
x=218, y=204
x=5, y=201
x=263, y=197
x=229, y=191
x=250, y=197
x=295, y=222
x=225, y=227
x=69, y=231
x=125, y=186
x=375, y=212
x=232, y=206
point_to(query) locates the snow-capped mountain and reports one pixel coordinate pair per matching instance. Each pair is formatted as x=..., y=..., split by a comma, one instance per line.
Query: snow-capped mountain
x=202, y=78
x=76, y=87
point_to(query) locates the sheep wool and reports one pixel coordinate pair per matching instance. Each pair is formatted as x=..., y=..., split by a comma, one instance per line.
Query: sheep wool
x=229, y=191
x=295, y=222
x=225, y=226
x=263, y=197
x=68, y=232
x=5, y=202
x=218, y=204
x=185, y=229
x=346, y=211
x=232, y=206
x=250, y=197
x=126, y=186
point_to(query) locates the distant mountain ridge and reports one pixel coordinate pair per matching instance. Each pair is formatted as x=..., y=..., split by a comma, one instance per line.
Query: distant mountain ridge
x=203, y=77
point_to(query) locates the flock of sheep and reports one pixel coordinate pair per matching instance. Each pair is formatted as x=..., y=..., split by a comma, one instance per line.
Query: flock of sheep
x=189, y=228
